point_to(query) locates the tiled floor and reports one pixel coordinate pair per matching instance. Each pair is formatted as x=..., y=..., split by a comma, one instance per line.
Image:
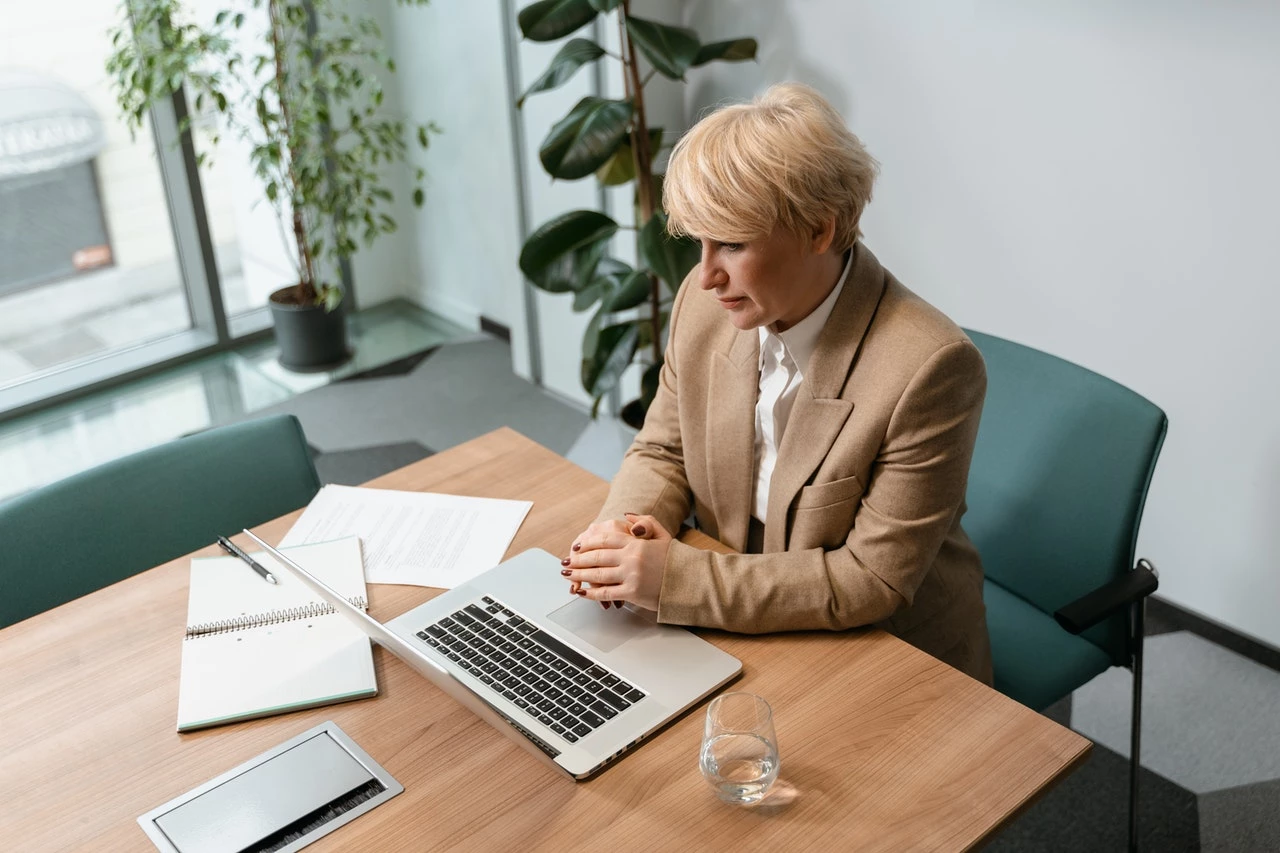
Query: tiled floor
x=51, y=444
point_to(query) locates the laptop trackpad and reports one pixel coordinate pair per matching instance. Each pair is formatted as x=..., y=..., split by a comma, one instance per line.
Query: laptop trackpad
x=604, y=629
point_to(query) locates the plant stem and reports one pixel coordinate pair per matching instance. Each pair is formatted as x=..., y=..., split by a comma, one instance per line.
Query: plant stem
x=643, y=162
x=307, y=285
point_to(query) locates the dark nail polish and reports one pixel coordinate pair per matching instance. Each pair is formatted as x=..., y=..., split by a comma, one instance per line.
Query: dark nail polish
x=564, y=562
x=581, y=592
x=605, y=605
x=565, y=572
x=638, y=530
x=576, y=546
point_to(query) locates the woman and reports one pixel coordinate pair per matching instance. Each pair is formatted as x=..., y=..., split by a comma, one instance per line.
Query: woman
x=812, y=412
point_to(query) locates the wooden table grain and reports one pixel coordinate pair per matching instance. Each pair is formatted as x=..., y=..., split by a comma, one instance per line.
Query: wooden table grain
x=883, y=747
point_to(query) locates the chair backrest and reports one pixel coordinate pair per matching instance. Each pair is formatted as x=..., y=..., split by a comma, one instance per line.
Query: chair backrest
x=105, y=524
x=1060, y=473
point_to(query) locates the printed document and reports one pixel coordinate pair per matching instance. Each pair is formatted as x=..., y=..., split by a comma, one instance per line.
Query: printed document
x=418, y=538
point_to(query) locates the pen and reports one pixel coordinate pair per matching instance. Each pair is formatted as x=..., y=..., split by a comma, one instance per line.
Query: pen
x=232, y=549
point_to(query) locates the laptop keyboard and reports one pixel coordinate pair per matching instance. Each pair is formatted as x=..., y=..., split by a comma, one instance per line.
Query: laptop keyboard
x=558, y=686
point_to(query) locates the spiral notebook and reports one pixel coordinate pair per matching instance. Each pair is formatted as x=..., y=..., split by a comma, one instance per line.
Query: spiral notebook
x=253, y=649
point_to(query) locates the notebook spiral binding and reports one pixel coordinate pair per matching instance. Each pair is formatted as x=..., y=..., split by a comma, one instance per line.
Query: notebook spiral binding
x=271, y=617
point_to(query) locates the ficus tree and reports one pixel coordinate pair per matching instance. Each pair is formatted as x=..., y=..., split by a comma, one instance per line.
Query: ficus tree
x=611, y=140
x=299, y=82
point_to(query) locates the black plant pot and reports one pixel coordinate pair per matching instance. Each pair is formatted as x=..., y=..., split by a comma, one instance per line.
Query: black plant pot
x=310, y=338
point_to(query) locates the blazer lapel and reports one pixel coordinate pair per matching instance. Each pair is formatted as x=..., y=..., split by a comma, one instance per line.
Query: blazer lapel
x=819, y=413
x=730, y=451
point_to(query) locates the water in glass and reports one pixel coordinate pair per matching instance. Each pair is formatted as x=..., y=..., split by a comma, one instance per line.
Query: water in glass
x=739, y=748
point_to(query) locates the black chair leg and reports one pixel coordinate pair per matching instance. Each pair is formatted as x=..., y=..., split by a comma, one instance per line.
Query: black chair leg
x=1135, y=722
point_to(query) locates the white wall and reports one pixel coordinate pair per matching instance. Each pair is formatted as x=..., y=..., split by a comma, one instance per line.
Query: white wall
x=1095, y=179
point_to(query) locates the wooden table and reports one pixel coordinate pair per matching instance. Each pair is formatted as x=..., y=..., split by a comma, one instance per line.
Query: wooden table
x=883, y=747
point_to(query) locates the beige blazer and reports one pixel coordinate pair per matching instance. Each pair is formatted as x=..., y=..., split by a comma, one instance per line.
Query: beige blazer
x=864, y=513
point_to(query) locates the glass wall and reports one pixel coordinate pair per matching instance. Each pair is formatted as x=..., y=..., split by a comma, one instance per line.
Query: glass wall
x=88, y=264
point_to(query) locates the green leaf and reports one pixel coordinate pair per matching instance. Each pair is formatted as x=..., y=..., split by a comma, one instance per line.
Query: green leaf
x=331, y=296
x=734, y=50
x=670, y=257
x=604, y=5
x=555, y=256
x=614, y=348
x=575, y=54
x=621, y=167
x=591, y=294
x=586, y=138
x=548, y=20
x=418, y=197
x=220, y=17
x=633, y=291
x=670, y=49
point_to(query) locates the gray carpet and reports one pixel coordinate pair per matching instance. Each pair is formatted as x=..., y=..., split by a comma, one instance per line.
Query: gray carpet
x=353, y=467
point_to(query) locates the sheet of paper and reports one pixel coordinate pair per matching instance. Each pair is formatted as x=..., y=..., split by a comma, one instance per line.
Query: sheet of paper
x=418, y=538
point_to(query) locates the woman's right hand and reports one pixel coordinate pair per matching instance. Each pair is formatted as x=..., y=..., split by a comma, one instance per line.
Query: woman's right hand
x=616, y=529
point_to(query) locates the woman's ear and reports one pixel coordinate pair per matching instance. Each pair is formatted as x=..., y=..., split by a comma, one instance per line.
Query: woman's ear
x=823, y=235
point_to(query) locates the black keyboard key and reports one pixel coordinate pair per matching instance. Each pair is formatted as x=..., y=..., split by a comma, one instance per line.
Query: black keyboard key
x=446, y=623
x=537, y=650
x=558, y=713
x=570, y=672
x=494, y=608
x=545, y=720
x=495, y=687
x=582, y=730
x=558, y=665
x=511, y=681
x=541, y=686
x=464, y=619
x=591, y=719
x=475, y=642
x=532, y=711
x=546, y=705
x=604, y=710
x=530, y=678
x=515, y=621
x=571, y=737
x=487, y=679
x=487, y=600
x=454, y=628
x=487, y=649
x=526, y=628
x=540, y=668
x=610, y=680
x=634, y=696
x=520, y=703
x=489, y=667
x=468, y=653
x=614, y=699
x=524, y=643
x=583, y=679
x=488, y=633
x=477, y=614
x=509, y=647
x=507, y=612
x=453, y=656
x=622, y=688
x=523, y=689
x=548, y=657
x=504, y=630
x=519, y=671
x=564, y=701
x=433, y=642
x=552, y=693
x=570, y=722
x=575, y=691
x=577, y=709
x=509, y=695
x=597, y=671
x=466, y=636
x=558, y=729
x=436, y=631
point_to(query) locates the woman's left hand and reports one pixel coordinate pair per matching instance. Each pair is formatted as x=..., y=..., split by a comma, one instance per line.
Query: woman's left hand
x=621, y=567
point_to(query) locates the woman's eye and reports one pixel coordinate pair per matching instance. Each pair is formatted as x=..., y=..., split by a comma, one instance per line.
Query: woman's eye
x=731, y=247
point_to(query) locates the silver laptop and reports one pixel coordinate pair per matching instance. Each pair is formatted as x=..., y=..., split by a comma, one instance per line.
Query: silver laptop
x=574, y=684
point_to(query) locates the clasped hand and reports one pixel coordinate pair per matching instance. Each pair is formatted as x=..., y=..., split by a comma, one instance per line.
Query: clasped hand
x=616, y=561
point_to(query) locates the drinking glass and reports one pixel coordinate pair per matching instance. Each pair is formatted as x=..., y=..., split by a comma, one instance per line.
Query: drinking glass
x=739, y=748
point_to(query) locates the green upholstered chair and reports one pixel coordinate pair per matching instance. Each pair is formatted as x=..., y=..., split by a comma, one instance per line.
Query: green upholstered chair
x=1060, y=474
x=105, y=524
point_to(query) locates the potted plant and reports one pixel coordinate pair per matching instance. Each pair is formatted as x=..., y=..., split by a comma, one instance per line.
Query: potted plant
x=612, y=140
x=298, y=82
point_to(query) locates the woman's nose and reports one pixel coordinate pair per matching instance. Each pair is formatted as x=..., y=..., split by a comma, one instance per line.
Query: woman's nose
x=711, y=276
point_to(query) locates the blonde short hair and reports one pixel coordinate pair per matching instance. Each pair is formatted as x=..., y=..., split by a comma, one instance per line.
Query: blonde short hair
x=787, y=158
